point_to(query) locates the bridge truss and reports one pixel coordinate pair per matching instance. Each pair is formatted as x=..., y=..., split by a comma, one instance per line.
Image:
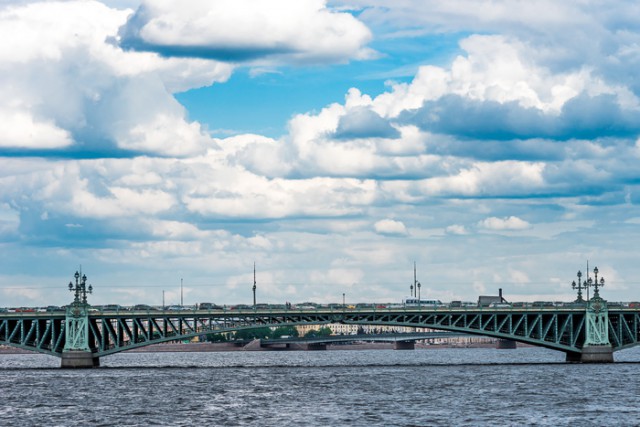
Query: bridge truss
x=563, y=329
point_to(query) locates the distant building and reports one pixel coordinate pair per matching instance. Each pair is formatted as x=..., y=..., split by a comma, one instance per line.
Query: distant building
x=345, y=329
x=486, y=300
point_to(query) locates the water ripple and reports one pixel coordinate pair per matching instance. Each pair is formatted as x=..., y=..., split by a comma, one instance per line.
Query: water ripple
x=466, y=387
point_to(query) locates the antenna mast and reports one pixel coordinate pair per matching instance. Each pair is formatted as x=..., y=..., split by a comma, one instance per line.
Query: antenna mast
x=254, y=284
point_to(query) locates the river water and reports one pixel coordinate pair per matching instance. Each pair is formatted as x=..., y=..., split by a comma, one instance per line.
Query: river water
x=443, y=387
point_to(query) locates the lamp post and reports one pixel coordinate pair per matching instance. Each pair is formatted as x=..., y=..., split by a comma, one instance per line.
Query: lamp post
x=589, y=283
x=416, y=285
x=254, y=285
x=596, y=295
x=80, y=289
x=579, y=286
x=343, y=304
x=76, y=352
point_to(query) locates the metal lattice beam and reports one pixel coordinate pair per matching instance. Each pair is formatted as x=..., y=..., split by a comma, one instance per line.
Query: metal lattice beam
x=108, y=333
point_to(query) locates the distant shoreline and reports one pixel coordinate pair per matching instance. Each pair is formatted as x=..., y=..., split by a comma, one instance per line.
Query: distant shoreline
x=225, y=347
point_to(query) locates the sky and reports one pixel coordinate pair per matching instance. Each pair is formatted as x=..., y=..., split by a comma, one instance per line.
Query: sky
x=165, y=147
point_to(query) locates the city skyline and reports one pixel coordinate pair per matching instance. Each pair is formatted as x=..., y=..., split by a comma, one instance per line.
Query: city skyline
x=333, y=144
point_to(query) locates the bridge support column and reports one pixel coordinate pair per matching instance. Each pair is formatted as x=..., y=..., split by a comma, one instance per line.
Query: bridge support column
x=597, y=347
x=404, y=345
x=592, y=354
x=79, y=359
x=506, y=344
x=76, y=352
x=316, y=346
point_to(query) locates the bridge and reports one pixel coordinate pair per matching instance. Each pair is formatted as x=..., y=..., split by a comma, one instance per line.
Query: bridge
x=588, y=331
x=402, y=340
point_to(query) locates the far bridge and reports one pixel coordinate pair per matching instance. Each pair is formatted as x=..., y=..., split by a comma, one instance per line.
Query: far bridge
x=587, y=330
x=402, y=340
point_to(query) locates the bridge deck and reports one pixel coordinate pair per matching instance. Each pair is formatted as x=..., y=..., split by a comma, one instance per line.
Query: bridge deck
x=560, y=328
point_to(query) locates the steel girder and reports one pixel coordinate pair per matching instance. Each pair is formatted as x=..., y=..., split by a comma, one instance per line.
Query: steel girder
x=557, y=328
x=42, y=334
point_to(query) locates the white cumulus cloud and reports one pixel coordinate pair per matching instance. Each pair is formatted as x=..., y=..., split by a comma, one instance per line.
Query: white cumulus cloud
x=391, y=227
x=285, y=30
x=20, y=129
x=65, y=85
x=456, y=229
x=508, y=223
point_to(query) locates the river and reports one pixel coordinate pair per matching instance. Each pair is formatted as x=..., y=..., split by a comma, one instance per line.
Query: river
x=443, y=387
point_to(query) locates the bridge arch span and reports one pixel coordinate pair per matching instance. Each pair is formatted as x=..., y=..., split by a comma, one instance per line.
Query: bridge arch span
x=562, y=329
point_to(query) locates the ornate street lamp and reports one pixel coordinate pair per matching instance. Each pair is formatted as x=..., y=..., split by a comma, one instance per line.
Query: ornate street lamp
x=80, y=289
x=416, y=285
x=580, y=286
x=596, y=295
x=254, y=285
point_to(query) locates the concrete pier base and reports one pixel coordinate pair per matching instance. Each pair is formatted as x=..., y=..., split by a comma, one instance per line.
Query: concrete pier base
x=592, y=354
x=506, y=344
x=404, y=345
x=79, y=360
x=316, y=346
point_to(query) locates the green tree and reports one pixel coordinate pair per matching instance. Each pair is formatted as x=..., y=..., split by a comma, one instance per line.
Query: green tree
x=215, y=338
x=325, y=331
x=281, y=331
x=250, y=334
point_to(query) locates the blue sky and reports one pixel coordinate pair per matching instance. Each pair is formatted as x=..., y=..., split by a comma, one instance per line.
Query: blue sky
x=331, y=143
x=271, y=96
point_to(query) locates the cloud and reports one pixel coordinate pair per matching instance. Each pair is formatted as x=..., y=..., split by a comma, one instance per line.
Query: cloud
x=9, y=223
x=20, y=130
x=556, y=31
x=491, y=104
x=259, y=154
x=500, y=224
x=247, y=30
x=487, y=179
x=390, y=227
x=361, y=122
x=581, y=117
x=27, y=294
x=496, y=92
x=103, y=166
x=234, y=193
x=456, y=229
x=66, y=89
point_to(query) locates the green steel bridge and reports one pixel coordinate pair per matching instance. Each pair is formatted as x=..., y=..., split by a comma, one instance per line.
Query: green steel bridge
x=587, y=331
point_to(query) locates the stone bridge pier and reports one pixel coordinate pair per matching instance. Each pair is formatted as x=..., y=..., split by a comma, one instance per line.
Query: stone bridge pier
x=316, y=346
x=592, y=354
x=404, y=345
x=597, y=347
x=74, y=359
